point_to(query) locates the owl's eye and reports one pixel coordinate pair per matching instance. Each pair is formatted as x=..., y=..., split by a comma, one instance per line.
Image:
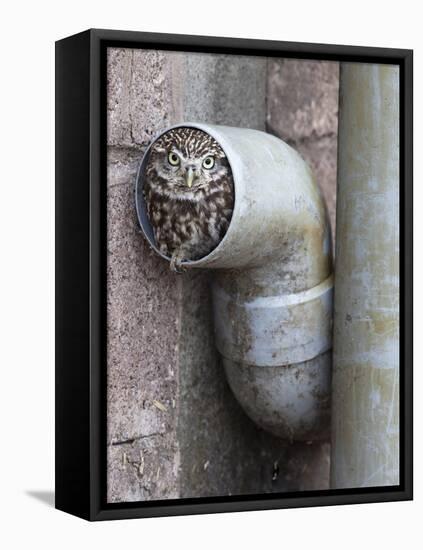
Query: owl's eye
x=208, y=163
x=173, y=159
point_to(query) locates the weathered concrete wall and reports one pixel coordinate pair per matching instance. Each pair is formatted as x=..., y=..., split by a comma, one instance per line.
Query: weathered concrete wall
x=174, y=428
x=143, y=297
x=303, y=111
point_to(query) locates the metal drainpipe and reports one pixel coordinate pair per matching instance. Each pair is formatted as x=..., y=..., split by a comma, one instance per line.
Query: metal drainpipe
x=365, y=404
x=272, y=285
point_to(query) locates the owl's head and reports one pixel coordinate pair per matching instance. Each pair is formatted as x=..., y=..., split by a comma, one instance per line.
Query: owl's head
x=184, y=162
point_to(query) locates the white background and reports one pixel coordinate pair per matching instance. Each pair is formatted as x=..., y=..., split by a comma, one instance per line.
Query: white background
x=28, y=32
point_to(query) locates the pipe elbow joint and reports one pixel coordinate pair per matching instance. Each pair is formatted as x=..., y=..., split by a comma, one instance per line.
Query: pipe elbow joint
x=272, y=286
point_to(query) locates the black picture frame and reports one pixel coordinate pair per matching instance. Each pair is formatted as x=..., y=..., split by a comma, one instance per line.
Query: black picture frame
x=81, y=273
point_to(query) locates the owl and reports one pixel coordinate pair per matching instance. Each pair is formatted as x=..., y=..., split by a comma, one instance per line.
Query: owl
x=189, y=194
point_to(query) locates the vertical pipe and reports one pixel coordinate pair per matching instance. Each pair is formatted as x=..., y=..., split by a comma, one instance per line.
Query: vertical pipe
x=365, y=414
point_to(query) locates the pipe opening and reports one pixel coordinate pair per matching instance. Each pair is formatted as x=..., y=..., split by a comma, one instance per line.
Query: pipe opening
x=193, y=194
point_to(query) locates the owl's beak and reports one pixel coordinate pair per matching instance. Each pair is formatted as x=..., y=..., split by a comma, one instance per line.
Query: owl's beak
x=189, y=177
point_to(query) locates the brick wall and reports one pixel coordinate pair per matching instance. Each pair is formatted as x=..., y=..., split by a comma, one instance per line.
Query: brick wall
x=303, y=111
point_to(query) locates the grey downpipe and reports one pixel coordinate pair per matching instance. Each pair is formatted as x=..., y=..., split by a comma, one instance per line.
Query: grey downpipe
x=272, y=285
x=366, y=379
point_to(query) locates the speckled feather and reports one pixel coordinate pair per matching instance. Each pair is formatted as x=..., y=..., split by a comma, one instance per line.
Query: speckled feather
x=188, y=223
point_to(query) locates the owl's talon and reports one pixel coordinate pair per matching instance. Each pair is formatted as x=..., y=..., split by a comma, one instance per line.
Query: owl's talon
x=176, y=265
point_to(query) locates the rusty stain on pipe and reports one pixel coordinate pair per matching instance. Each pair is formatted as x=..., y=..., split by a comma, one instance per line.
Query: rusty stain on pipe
x=272, y=285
